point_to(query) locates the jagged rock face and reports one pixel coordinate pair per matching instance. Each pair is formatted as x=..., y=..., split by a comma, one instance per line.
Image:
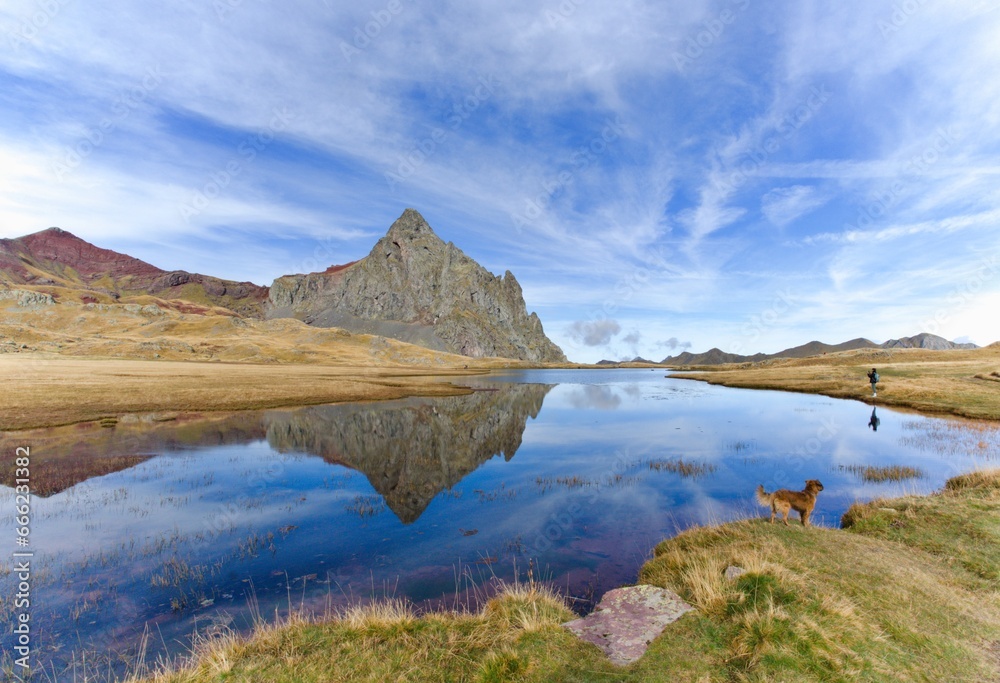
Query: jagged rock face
x=414, y=287
x=414, y=449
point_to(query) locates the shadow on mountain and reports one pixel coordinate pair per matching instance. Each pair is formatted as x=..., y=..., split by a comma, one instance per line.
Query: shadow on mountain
x=414, y=449
x=410, y=450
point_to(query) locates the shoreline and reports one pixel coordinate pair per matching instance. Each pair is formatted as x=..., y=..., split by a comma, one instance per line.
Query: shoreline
x=907, y=406
x=45, y=390
x=963, y=384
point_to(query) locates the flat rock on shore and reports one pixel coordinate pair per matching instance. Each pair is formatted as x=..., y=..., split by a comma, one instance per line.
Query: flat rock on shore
x=628, y=619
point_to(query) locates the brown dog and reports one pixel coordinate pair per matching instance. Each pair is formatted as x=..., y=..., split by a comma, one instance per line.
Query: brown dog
x=784, y=501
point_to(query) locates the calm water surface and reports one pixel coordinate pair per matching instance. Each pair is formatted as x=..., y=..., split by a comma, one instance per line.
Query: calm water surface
x=167, y=527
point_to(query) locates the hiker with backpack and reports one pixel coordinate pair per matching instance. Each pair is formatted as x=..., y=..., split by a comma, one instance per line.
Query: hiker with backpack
x=873, y=378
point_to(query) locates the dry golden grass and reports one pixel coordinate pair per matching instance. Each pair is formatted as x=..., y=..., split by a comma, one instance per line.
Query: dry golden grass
x=69, y=363
x=40, y=391
x=954, y=382
x=385, y=641
x=72, y=362
x=151, y=329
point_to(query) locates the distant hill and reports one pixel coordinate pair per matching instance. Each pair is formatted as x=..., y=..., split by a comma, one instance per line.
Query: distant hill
x=637, y=359
x=713, y=356
x=925, y=341
x=60, y=263
x=814, y=348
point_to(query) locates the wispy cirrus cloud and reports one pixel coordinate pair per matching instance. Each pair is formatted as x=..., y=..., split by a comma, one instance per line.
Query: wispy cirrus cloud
x=783, y=205
x=656, y=185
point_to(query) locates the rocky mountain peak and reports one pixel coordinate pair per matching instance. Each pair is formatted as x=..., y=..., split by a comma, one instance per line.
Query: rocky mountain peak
x=410, y=239
x=415, y=287
x=410, y=225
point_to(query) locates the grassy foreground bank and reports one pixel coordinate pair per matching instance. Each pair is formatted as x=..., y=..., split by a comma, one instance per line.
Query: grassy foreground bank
x=957, y=382
x=909, y=590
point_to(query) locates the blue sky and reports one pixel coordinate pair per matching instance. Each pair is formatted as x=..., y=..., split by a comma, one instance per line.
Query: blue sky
x=660, y=176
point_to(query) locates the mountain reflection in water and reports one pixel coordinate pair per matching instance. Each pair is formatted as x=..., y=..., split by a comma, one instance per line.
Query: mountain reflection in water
x=411, y=451
x=161, y=519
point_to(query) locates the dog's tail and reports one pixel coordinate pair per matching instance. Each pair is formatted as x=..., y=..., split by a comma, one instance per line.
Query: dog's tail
x=763, y=497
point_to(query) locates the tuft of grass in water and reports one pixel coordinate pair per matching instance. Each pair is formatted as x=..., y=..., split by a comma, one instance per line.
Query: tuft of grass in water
x=366, y=505
x=499, y=493
x=574, y=482
x=949, y=437
x=678, y=466
x=251, y=545
x=741, y=446
x=877, y=475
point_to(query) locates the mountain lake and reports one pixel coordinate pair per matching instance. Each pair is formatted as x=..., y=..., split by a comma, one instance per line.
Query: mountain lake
x=149, y=529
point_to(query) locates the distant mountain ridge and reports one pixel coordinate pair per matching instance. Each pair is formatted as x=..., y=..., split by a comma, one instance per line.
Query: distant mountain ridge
x=925, y=340
x=716, y=356
x=412, y=287
x=55, y=258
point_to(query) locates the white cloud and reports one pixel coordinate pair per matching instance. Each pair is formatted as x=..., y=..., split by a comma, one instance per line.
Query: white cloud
x=674, y=343
x=594, y=333
x=784, y=205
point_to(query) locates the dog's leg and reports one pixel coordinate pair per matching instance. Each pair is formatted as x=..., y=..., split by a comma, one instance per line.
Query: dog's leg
x=772, y=513
x=805, y=517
